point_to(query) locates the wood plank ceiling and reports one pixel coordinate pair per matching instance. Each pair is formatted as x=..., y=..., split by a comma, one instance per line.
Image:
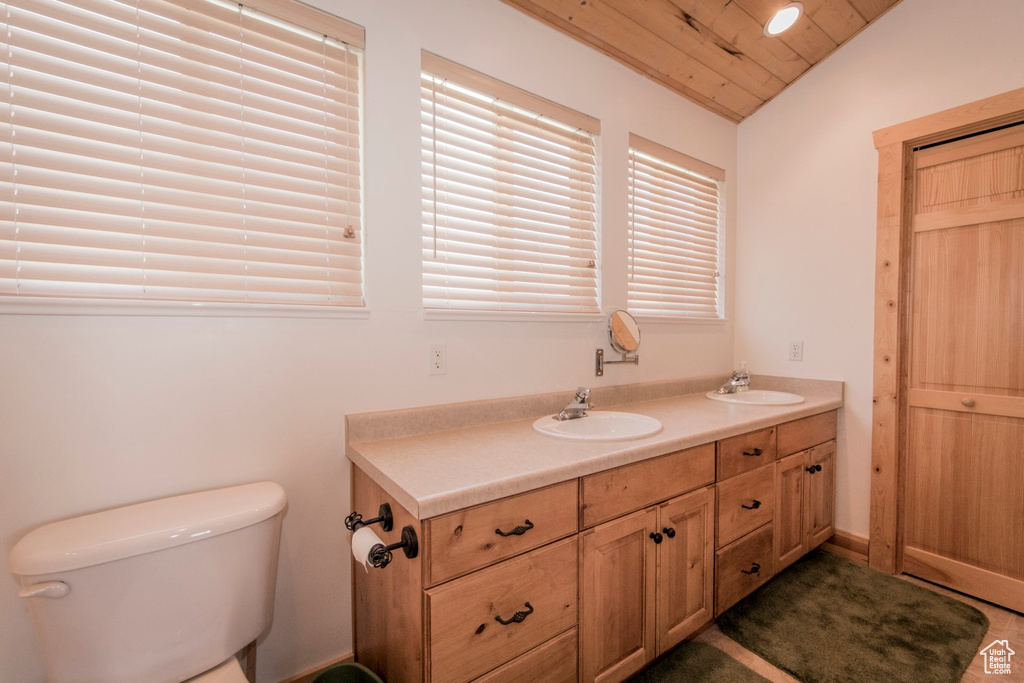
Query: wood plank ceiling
x=713, y=52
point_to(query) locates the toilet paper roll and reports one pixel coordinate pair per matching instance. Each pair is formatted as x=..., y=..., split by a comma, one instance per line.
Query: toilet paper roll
x=362, y=541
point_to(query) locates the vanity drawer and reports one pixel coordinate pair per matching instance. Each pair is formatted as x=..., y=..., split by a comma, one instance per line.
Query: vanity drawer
x=742, y=567
x=799, y=435
x=613, y=493
x=553, y=662
x=745, y=503
x=462, y=541
x=536, y=593
x=745, y=452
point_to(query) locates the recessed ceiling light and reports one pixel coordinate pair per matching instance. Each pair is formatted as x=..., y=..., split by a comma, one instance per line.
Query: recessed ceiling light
x=784, y=19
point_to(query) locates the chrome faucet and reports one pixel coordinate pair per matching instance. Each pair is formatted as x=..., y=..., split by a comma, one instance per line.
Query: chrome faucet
x=577, y=407
x=739, y=381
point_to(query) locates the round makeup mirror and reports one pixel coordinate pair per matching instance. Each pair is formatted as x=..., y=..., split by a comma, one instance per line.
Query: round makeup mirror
x=623, y=332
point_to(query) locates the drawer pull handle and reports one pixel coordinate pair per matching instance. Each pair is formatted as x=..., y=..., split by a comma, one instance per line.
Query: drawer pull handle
x=755, y=452
x=669, y=531
x=754, y=568
x=518, y=531
x=517, y=618
x=657, y=537
x=756, y=505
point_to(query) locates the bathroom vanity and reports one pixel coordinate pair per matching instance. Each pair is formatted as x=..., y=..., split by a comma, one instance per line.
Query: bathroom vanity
x=543, y=559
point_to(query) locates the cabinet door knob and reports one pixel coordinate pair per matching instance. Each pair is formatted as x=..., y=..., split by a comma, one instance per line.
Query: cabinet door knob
x=811, y=469
x=657, y=537
x=669, y=531
x=968, y=402
x=755, y=505
x=516, y=618
x=518, y=531
x=754, y=568
x=817, y=468
x=755, y=452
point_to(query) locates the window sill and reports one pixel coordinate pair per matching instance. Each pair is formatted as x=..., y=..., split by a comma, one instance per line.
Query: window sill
x=664, y=319
x=96, y=307
x=511, y=316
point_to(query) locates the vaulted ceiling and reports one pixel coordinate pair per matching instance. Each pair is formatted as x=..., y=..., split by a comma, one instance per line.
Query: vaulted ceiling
x=713, y=52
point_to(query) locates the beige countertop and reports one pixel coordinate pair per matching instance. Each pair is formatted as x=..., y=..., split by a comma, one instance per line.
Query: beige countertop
x=435, y=460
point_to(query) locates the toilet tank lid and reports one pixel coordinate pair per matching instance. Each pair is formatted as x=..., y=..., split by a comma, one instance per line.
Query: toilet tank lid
x=144, y=528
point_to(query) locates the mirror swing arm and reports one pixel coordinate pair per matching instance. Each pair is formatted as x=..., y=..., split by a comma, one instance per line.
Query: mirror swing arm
x=600, y=362
x=624, y=337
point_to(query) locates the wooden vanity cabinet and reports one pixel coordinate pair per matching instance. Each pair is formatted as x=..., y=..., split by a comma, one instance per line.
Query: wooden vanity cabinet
x=593, y=578
x=646, y=584
x=646, y=576
x=791, y=540
x=617, y=597
x=805, y=488
x=745, y=512
x=492, y=592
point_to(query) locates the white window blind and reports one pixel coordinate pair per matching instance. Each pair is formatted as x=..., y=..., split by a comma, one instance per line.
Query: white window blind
x=181, y=150
x=674, y=233
x=509, y=197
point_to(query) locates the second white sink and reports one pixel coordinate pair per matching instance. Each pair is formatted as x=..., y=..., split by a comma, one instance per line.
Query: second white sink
x=758, y=398
x=601, y=425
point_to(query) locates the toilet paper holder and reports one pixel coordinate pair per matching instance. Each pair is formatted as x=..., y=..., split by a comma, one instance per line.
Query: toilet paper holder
x=380, y=554
x=387, y=521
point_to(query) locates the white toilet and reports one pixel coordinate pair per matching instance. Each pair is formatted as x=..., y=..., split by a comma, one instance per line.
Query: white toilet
x=158, y=592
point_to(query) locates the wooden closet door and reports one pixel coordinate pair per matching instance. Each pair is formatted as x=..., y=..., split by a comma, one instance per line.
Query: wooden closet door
x=964, y=520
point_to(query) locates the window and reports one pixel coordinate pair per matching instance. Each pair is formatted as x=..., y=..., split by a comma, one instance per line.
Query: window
x=173, y=150
x=675, y=249
x=509, y=198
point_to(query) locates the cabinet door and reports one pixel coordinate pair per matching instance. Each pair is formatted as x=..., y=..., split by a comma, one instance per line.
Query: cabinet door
x=790, y=503
x=820, y=488
x=686, y=565
x=617, y=597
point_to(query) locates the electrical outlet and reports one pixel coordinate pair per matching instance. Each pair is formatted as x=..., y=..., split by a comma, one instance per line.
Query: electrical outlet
x=438, y=359
x=796, y=350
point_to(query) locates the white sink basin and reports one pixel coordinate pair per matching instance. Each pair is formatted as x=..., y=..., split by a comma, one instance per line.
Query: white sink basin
x=604, y=425
x=758, y=398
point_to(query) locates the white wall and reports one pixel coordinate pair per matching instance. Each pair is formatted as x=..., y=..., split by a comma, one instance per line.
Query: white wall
x=807, y=197
x=101, y=411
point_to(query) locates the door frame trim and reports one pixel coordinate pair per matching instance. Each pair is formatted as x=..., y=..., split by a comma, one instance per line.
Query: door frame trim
x=895, y=146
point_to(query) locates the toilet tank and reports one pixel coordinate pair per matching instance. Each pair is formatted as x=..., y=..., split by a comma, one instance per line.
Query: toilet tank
x=155, y=592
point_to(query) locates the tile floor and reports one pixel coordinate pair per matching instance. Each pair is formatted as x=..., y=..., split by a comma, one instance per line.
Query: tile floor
x=1003, y=624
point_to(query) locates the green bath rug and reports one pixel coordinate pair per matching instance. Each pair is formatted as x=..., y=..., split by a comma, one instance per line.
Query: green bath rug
x=828, y=619
x=695, y=662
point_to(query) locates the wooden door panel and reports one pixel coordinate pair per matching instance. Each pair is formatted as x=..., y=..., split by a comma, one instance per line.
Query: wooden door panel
x=945, y=320
x=978, y=179
x=967, y=308
x=965, y=498
x=996, y=539
x=617, y=625
x=935, y=436
x=820, y=494
x=963, y=522
x=1001, y=347
x=790, y=535
x=686, y=564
